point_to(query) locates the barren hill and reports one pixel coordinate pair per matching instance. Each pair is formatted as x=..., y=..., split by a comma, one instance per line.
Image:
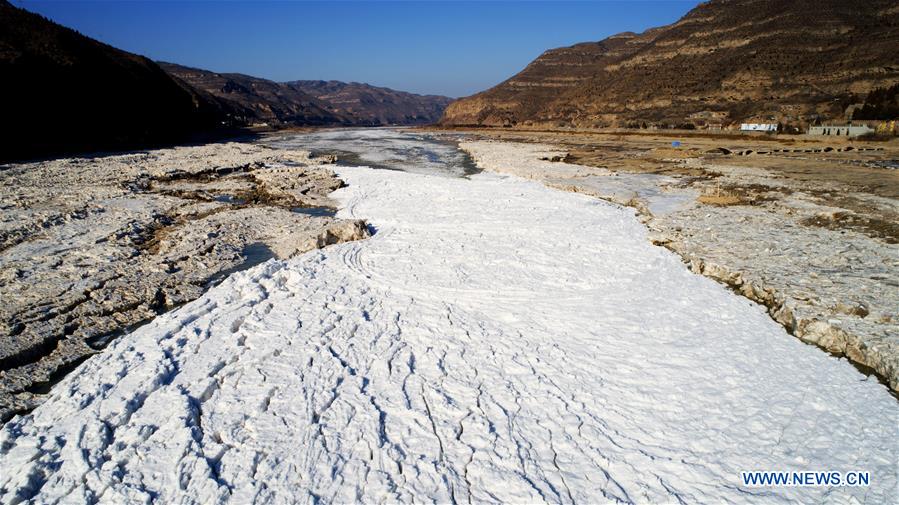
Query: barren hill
x=260, y=100
x=369, y=104
x=63, y=92
x=314, y=102
x=725, y=61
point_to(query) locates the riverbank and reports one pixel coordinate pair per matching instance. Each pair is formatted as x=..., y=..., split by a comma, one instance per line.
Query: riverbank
x=92, y=247
x=806, y=229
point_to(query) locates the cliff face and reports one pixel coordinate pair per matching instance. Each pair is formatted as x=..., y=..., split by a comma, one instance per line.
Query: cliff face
x=314, y=102
x=725, y=61
x=63, y=92
x=366, y=104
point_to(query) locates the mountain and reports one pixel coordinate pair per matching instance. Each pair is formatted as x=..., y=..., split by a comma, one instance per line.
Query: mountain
x=314, y=102
x=726, y=61
x=367, y=104
x=62, y=92
x=259, y=100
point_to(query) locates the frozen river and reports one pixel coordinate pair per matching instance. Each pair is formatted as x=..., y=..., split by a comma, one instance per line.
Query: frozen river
x=390, y=148
x=494, y=341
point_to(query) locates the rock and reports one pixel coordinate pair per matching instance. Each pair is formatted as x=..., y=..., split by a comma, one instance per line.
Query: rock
x=659, y=239
x=339, y=231
x=343, y=231
x=853, y=309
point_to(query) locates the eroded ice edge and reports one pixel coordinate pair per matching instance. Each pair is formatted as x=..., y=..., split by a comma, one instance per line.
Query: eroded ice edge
x=495, y=340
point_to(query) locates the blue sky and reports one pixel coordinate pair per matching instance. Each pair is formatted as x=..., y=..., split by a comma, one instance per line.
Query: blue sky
x=449, y=48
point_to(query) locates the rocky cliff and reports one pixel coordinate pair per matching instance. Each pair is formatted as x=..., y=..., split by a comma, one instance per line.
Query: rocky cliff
x=726, y=61
x=63, y=92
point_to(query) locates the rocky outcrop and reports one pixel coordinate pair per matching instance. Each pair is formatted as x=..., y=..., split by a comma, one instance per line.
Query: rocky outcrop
x=92, y=247
x=726, y=61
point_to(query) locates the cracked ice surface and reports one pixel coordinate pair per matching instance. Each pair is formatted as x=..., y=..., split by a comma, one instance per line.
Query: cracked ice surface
x=494, y=341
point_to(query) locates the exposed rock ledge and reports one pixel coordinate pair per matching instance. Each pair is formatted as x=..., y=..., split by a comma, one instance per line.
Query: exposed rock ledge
x=90, y=247
x=832, y=288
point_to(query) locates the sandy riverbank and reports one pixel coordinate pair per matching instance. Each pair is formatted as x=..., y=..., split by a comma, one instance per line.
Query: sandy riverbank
x=90, y=247
x=805, y=227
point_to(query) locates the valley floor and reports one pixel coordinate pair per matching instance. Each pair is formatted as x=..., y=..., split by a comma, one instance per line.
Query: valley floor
x=495, y=340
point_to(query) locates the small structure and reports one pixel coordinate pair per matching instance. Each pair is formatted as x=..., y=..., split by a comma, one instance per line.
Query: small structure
x=758, y=127
x=846, y=130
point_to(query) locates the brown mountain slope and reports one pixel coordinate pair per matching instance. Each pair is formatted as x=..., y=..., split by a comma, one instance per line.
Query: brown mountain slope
x=314, y=102
x=367, y=104
x=725, y=61
x=260, y=100
x=63, y=92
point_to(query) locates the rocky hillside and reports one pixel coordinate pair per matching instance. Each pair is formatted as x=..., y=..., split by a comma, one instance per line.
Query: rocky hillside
x=314, y=102
x=366, y=104
x=259, y=100
x=726, y=61
x=63, y=92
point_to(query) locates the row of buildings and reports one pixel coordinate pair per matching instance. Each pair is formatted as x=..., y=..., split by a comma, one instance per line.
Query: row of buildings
x=720, y=121
x=838, y=130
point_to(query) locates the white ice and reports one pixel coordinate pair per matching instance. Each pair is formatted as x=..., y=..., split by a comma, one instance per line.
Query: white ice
x=494, y=341
x=395, y=148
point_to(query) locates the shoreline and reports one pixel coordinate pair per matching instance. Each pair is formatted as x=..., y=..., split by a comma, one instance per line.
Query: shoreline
x=721, y=135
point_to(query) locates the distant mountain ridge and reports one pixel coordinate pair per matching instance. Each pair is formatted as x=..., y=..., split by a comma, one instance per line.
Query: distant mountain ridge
x=314, y=102
x=375, y=105
x=725, y=61
x=259, y=100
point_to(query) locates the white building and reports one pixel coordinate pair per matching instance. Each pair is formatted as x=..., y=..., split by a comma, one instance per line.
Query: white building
x=758, y=127
x=844, y=130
